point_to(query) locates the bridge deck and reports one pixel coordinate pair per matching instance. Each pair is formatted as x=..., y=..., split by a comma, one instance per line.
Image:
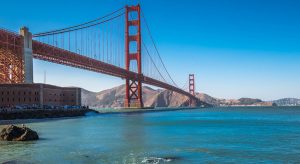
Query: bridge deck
x=53, y=54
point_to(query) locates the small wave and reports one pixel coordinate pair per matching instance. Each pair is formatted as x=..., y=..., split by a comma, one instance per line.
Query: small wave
x=15, y=162
x=158, y=160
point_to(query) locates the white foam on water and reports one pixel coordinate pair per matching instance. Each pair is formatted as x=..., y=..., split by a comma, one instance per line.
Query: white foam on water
x=155, y=160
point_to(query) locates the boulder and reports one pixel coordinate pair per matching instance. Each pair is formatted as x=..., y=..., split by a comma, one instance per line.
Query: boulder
x=15, y=133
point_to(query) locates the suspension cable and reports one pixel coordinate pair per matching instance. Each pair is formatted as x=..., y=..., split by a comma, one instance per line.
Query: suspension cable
x=148, y=29
x=83, y=24
x=60, y=32
x=153, y=62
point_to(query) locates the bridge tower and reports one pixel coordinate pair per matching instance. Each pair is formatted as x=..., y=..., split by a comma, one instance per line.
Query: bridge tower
x=133, y=95
x=192, y=88
x=27, y=55
x=192, y=84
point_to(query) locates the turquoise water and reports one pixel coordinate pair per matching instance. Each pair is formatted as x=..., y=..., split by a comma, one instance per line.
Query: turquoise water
x=216, y=135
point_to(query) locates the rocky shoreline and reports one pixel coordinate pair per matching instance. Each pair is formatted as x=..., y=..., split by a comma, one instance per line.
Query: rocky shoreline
x=42, y=114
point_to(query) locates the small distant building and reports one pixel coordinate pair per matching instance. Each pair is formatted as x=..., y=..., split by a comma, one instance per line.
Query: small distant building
x=38, y=94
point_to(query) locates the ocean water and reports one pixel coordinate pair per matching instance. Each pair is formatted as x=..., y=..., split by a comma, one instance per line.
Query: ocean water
x=215, y=135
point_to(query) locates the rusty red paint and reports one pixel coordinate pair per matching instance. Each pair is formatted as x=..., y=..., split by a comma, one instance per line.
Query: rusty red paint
x=133, y=96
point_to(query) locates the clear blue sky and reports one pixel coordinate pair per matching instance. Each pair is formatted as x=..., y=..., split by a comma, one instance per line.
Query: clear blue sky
x=248, y=48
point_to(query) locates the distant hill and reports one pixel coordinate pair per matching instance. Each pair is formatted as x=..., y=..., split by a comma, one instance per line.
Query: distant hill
x=249, y=101
x=113, y=97
x=233, y=102
x=287, y=102
x=152, y=98
x=163, y=98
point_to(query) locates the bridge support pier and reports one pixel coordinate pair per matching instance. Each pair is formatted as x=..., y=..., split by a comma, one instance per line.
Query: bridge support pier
x=133, y=94
x=27, y=55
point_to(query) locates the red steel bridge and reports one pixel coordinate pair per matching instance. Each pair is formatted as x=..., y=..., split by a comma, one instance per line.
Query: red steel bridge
x=103, y=45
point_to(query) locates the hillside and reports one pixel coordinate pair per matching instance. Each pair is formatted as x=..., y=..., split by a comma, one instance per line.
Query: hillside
x=287, y=102
x=233, y=102
x=152, y=98
x=163, y=98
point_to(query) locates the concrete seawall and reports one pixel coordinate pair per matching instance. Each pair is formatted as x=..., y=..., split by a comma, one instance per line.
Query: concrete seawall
x=41, y=114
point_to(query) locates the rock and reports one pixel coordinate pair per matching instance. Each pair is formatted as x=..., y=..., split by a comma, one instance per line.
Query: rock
x=14, y=133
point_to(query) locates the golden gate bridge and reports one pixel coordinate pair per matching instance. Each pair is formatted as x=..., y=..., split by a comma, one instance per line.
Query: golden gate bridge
x=111, y=45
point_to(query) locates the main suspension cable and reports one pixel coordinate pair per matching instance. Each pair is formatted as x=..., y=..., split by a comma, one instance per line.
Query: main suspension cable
x=151, y=37
x=83, y=24
x=60, y=32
